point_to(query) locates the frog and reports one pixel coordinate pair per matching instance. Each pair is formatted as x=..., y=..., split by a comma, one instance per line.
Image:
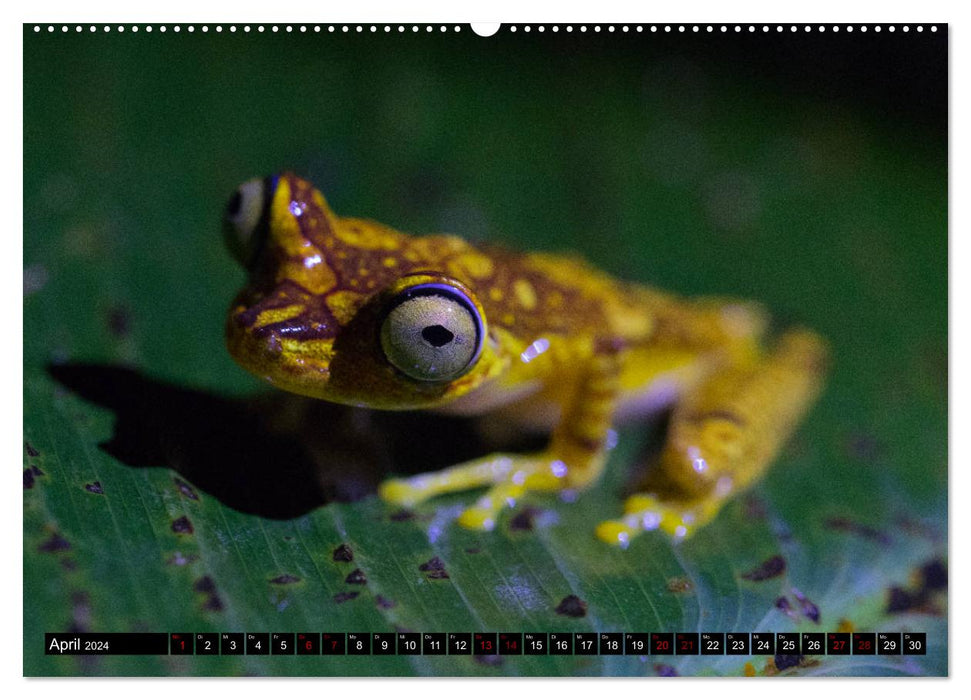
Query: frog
x=352, y=311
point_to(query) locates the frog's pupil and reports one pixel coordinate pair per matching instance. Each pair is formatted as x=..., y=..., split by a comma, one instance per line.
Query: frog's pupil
x=235, y=202
x=437, y=335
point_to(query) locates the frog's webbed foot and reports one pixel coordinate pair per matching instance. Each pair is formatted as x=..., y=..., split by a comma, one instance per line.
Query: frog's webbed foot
x=508, y=476
x=645, y=511
x=573, y=460
x=722, y=437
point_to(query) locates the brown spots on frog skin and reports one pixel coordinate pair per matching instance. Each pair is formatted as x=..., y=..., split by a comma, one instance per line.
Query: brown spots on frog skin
x=572, y=606
x=95, y=488
x=345, y=596
x=285, y=579
x=772, y=567
x=28, y=479
x=31, y=452
x=278, y=315
x=384, y=603
x=344, y=304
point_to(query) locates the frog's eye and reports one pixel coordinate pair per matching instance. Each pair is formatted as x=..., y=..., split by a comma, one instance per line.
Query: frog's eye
x=432, y=333
x=243, y=223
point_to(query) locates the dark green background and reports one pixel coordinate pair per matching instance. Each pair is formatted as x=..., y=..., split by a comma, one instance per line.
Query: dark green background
x=805, y=171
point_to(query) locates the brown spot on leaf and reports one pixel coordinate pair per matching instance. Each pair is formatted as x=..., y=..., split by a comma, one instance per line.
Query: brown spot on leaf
x=665, y=670
x=784, y=661
x=31, y=452
x=28, y=479
x=185, y=489
x=934, y=575
x=36, y=470
x=384, y=603
x=525, y=519
x=96, y=487
x=842, y=524
x=204, y=584
x=572, y=606
x=356, y=577
x=55, y=543
x=343, y=553
x=679, y=584
x=182, y=526
x=900, y=600
x=433, y=565
x=400, y=516
x=770, y=568
x=213, y=603
x=436, y=575
x=808, y=608
x=284, y=579
x=345, y=596
x=930, y=579
x=119, y=321
x=488, y=659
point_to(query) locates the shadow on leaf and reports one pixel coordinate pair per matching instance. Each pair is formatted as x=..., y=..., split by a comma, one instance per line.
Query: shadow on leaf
x=274, y=455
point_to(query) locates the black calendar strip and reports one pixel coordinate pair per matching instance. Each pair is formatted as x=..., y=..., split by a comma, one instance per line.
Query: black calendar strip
x=487, y=643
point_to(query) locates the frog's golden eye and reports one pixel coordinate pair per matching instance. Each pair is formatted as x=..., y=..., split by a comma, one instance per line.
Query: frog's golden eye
x=244, y=222
x=432, y=333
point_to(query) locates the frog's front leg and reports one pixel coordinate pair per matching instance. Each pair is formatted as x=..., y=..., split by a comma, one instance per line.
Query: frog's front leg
x=722, y=436
x=574, y=459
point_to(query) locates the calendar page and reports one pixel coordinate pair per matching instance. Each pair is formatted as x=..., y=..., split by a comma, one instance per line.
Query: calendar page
x=543, y=349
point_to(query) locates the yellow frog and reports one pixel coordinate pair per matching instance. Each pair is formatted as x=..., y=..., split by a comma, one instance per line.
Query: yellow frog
x=351, y=311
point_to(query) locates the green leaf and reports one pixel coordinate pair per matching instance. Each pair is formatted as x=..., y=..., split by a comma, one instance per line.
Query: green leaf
x=167, y=491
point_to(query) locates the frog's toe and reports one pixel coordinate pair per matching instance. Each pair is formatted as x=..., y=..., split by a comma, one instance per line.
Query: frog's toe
x=476, y=518
x=485, y=512
x=643, y=512
x=400, y=492
x=616, y=532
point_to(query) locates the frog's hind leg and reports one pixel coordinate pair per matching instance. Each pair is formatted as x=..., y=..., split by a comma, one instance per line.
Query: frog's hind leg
x=573, y=460
x=722, y=436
